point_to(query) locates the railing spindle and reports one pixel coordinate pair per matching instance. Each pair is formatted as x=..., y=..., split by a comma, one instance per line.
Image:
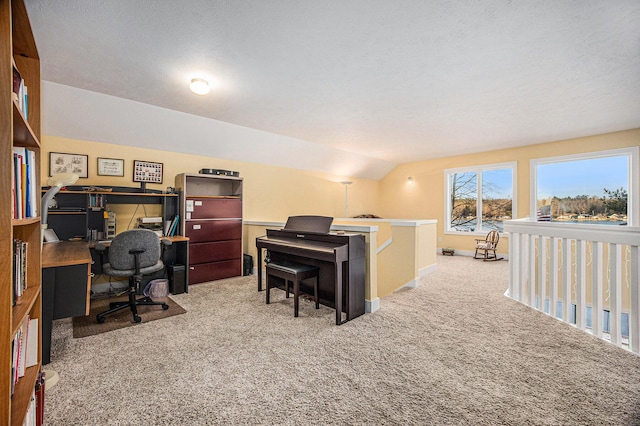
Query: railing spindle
x=512, y=266
x=615, y=294
x=522, y=290
x=634, y=314
x=553, y=278
x=566, y=280
x=532, y=271
x=581, y=284
x=596, y=289
x=542, y=273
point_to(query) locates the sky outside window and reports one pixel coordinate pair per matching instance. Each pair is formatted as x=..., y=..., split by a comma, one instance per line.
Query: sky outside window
x=497, y=183
x=582, y=177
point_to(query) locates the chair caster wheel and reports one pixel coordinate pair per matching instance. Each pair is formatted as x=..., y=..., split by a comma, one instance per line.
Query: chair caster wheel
x=100, y=320
x=165, y=307
x=137, y=318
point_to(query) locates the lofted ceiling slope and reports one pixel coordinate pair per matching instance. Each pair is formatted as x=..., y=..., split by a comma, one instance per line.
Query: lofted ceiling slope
x=392, y=81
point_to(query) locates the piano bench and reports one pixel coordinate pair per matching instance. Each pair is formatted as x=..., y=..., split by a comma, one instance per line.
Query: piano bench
x=295, y=273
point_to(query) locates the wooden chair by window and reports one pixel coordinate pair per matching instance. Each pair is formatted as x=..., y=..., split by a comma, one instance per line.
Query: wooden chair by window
x=486, y=247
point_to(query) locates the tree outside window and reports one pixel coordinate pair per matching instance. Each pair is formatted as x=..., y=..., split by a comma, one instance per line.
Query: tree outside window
x=480, y=199
x=464, y=200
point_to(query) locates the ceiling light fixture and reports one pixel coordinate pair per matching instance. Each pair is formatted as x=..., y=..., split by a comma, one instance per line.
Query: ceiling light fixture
x=199, y=86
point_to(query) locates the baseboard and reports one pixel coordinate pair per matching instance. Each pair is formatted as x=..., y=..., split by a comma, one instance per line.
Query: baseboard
x=471, y=253
x=412, y=284
x=427, y=270
x=371, y=305
x=421, y=274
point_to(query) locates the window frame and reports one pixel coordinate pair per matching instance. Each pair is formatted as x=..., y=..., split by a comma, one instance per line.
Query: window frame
x=478, y=169
x=633, y=179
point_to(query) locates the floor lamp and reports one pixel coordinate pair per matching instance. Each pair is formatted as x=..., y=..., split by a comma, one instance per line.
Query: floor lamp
x=346, y=184
x=56, y=182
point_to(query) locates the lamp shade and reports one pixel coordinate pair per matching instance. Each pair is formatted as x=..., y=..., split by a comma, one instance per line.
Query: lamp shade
x=62, y=179
x=55, y=182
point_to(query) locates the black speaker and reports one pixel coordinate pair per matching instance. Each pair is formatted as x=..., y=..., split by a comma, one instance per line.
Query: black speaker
x=219, y=172
x=177, y=279
x=247, y=265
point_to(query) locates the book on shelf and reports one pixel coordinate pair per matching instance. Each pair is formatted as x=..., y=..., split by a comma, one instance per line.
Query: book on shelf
x=32, y=342
x=17, y=178
x=19, y=352
x=96, y=201
x=22, y=349
x=27, y=184
x=34, y=200
x=35, y=410
x=17, y=81
x=23, y=185
x=20, y=92
x=25, y=103
x=14, y=363
x=173, y=228
x=25, y=348
x=20, y=255
x=30, y=418
x=170, y=227
x=40, y=387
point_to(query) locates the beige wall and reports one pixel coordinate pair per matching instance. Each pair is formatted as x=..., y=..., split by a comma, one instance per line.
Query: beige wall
x=424, y=198
x=270, y=193
x=274, y=193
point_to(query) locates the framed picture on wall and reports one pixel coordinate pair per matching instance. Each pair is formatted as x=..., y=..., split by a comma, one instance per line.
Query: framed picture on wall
x=60, y=162
x=110, y=167
x=147, y=171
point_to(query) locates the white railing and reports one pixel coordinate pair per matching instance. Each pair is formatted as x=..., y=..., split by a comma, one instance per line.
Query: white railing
x=584, y=275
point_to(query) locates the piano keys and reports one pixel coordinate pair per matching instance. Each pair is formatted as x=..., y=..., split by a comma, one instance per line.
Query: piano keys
x=340, y=258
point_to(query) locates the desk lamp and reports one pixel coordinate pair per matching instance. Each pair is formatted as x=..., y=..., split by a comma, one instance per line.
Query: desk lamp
x=56, y=182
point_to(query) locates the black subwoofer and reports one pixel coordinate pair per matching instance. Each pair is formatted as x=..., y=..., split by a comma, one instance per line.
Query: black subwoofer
x=177, y=279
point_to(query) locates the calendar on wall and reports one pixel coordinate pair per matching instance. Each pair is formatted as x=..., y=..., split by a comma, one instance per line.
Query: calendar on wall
x=147, y=171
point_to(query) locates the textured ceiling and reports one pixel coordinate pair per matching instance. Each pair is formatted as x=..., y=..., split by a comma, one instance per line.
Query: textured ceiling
x=394, y=80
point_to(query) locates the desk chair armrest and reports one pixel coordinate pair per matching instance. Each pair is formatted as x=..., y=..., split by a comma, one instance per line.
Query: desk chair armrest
x=165, y=244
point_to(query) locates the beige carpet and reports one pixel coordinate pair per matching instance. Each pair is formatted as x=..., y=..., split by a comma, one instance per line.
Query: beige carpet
x=88, y=326
x=453, y=351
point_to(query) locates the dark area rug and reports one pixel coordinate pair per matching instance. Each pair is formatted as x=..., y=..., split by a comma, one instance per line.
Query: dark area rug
x=88, y=326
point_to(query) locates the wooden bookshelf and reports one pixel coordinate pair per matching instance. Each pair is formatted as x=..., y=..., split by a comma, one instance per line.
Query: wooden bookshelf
x=17, y=45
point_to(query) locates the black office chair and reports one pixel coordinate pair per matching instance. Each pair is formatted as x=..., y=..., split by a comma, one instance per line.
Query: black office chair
x=132, y=254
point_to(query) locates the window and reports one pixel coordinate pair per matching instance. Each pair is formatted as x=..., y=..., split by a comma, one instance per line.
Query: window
x=593, y=188
x=479, y=199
